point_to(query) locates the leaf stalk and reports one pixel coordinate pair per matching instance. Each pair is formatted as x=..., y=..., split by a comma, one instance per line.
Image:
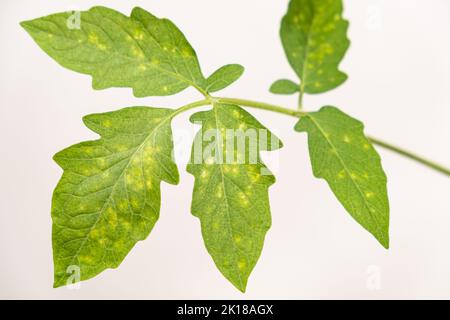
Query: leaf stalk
x=297, y=114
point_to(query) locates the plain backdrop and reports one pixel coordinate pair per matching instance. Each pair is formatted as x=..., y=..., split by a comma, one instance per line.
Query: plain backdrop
x=399, y=85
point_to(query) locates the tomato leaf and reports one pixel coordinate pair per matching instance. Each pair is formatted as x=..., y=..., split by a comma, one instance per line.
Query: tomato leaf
x=314, y=37
x=231, y=188
x=109, y=195
x=343, y=156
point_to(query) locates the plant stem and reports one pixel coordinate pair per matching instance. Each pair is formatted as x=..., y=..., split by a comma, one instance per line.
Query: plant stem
x=190, y=106
x=300, y=100
x=412, y=156
x=298, y=114
x=261, y=105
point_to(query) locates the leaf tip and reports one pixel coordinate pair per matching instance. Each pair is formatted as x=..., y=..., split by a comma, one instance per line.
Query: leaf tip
x=242, y=289
x=58, y=281
x=241, y=285
x=137, y=10
x=23, y=24
x=384, y=241
x=26, y=25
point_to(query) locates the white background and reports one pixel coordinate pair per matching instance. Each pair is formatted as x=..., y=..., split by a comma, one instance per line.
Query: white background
x=399, y=85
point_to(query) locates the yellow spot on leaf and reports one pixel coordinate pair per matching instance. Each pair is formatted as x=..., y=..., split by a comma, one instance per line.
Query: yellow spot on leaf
x=219, y=192
x=95, y=234
x=341, y=174
x=121, y=148
x=101, y=162
x=137, y=53
x=204, y=174
x=255, y=178
x=126, y=225
x=241, y=264
x=347, y=139
x=186, y=53
x=138, y=34
x=93, y=38
x=236, y=114
x=135, y=203
x=123, y=205
x=369, y=195
x=86, y=259
x=138, y=185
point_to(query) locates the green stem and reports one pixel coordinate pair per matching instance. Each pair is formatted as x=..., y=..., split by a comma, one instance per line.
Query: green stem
x=412, y=156
x=261, y=105
x=300, y=99
x=190, y=106
x=298, y=114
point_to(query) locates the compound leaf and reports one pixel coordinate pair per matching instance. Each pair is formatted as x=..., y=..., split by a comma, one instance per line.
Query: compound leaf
x=284, y=86
x=343, y=156
x=223, y=77
x=109, y=195
x=142, y=52
x=314, y=37
x=231, y=188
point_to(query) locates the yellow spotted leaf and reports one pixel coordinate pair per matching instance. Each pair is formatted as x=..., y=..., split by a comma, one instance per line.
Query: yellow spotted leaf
x=109, y=195
x=343, y=156
x=231, y=188
x=314, y=37
x=142, y=52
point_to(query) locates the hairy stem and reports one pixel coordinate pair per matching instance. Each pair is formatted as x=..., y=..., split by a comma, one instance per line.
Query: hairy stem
x=298, y=114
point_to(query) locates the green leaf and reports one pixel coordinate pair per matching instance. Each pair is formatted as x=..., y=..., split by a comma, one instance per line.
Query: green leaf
x=314, y=36
x=142, y=52
x=109, y=195
x=343, y=156
x=231, y=188
x=284, y=87
x=223, y=77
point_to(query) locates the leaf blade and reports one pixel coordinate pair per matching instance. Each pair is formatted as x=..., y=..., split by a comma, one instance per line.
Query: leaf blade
x=108, y=198
x=343, y=156
x=223, y=77
x=284, y=86
x=314, y=38
x=231, y=198
x=142, y=52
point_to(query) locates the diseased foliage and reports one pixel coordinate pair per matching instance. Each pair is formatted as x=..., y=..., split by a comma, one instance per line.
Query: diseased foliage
x=109, y=195
x=343, y=156
x=231, y=188
x=314, y=37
